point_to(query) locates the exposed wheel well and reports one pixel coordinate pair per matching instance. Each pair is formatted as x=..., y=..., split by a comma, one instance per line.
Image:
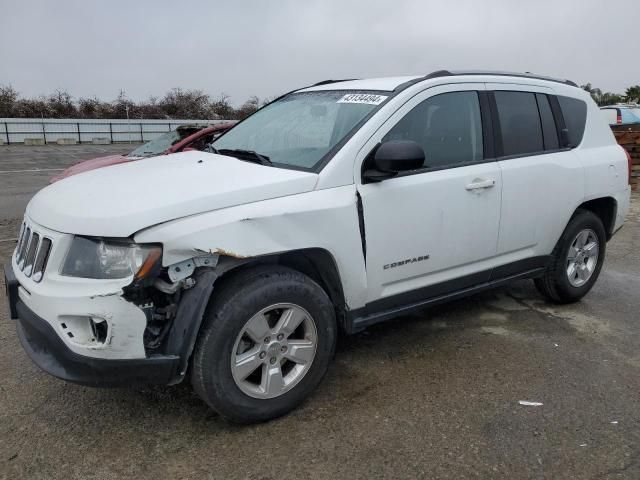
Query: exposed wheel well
x=605, y=208
x=318, y=264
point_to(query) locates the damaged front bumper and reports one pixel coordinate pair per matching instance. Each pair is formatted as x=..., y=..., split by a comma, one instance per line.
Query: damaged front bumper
x=104, y=331
x=51, y=353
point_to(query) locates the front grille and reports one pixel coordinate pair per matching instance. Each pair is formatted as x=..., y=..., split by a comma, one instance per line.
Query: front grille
x=32, y=252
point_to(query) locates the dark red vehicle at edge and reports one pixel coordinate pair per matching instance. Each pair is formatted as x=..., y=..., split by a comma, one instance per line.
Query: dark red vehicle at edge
x=183, y=138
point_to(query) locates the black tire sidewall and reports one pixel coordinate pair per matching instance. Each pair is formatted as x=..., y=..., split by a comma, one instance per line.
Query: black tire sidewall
x=224, y=320
x=582, y=221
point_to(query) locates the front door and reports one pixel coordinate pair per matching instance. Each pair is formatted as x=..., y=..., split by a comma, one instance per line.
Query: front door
x=440, y=223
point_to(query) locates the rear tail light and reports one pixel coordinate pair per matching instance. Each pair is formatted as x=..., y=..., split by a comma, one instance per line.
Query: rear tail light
x=630, y=163
x=619, y=119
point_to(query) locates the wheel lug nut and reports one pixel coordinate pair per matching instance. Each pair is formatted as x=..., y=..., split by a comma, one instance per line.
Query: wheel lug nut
x=262, y=355
x=280, y=337
x=267, y=339
x=283, y=348
x=273, y=360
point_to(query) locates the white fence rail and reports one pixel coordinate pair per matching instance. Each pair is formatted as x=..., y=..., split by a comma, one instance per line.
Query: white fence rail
x=38, y=130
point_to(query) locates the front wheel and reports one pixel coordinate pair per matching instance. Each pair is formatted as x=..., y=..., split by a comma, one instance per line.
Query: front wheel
x=267, y=340
x=576, y=260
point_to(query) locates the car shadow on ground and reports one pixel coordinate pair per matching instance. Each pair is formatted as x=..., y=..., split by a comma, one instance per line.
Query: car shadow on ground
x=508, y=311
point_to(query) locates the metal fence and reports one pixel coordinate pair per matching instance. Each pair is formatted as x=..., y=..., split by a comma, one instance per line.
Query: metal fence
x=17, y=130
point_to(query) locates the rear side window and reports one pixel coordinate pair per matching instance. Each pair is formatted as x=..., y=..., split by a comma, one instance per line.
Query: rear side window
x=448, y=127
x=574, y=112
x=549, y=130
x=519, y=123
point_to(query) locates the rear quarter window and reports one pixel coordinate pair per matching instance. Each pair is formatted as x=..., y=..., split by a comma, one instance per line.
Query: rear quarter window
x=574, y=112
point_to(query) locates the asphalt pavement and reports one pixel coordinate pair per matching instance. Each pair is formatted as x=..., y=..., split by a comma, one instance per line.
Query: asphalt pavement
x=432, y=395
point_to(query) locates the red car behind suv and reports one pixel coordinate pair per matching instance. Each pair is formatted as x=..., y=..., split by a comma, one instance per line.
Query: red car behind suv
x=185, y=137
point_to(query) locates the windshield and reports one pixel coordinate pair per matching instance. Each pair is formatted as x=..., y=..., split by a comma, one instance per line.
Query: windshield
x=301, y=128
x=157, y=145
x=160, y=144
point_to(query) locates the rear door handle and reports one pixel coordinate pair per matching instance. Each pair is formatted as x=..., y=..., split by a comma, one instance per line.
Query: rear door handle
x=480, y=183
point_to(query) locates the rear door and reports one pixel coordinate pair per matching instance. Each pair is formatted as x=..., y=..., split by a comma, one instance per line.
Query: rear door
x=542, y=180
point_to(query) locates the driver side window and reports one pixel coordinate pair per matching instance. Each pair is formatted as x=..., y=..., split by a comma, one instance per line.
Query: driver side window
x=448, y=127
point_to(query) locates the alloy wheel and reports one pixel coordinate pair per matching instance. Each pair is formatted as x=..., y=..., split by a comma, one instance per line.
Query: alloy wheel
x=582, y=257
x=274, y=350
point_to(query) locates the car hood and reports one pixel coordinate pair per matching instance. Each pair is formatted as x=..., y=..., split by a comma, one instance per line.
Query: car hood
x=123, y=199
x=90, y=165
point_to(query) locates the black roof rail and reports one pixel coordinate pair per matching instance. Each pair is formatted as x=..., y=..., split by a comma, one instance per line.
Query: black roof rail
x=438, y=73
x=515, y=74
x=327, y=82
x=455, y=73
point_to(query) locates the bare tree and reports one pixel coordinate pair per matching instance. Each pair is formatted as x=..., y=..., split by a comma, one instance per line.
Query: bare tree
x=33, y=108
x=120, y=106
x=178, y=103
x=61, y=105
x=222, y=108
x=8, y=97
x=249, y=107
x=151, y=109
x=94, y=108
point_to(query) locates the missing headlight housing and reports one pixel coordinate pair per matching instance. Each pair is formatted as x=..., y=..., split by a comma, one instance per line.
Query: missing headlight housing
x=108, y=259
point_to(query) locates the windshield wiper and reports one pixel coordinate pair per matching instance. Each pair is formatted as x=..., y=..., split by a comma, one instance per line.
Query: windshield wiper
x=241, y=154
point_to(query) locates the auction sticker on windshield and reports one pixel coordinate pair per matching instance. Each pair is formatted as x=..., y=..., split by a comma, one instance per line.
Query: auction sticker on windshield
x=366, y=98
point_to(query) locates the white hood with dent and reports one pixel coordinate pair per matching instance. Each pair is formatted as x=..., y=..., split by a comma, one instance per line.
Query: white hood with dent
x=119, y=200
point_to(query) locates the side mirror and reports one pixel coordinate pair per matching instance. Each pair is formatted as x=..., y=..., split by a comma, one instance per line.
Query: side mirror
x=393, y=157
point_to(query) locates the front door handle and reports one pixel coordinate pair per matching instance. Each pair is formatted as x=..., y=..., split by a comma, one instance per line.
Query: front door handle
x=480, y=183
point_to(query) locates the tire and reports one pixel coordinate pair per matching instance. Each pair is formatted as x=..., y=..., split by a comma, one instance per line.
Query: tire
x=557, y=284
x=230, y=325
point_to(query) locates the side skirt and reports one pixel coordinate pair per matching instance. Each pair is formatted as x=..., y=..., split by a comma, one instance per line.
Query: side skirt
x=358, y=320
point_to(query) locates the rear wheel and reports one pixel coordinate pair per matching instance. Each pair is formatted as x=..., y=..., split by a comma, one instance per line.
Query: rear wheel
x=268, y=337
x=576, y=260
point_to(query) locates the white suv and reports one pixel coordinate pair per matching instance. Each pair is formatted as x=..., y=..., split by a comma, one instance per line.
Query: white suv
x=331, y=209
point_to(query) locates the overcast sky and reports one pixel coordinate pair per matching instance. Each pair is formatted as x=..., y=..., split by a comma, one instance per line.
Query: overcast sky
x=265, y=48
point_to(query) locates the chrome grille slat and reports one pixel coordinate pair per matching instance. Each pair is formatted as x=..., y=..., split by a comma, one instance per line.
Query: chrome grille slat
x=41, y=259
x=20, y=239
x=32, y=252
x=23, y=248
x=23, y=236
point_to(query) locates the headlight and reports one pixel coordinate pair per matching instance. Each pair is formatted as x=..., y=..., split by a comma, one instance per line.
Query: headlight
x=107, y=259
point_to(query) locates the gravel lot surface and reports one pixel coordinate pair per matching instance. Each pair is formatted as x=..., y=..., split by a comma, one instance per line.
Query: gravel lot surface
x=433, y=395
